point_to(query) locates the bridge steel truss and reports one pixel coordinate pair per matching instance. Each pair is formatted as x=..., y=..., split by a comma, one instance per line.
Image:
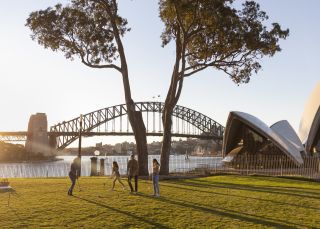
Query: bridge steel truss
x=68, y=131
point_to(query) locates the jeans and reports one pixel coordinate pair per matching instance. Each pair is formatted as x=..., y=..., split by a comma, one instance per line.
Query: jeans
x=135, y=183
x=155, y=181
x=73, y=180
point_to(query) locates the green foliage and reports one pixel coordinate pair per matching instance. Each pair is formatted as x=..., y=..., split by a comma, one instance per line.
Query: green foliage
x=212, y=33
x=212, y=202
x=82, y=28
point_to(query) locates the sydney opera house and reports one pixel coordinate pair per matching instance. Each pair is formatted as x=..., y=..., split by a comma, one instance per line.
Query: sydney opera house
x=247, y=135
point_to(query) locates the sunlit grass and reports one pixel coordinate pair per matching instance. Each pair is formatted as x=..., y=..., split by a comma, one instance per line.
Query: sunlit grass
x=212, y=202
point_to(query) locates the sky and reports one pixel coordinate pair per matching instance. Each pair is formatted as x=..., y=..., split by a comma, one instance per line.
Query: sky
x=34, y=79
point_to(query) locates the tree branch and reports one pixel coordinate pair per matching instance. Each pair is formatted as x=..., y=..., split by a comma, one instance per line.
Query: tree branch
x=179, y=19
x=177, y=96
x=99, y=66
x=195, y=71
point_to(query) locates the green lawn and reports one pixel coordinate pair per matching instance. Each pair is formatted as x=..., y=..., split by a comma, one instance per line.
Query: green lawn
x=211, y=202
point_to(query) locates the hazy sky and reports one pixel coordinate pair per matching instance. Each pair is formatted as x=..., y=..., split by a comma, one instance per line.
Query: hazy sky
x=33, y=79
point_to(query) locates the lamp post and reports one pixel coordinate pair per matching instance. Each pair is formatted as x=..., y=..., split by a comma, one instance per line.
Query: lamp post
x=79, y=148
x=80, y=133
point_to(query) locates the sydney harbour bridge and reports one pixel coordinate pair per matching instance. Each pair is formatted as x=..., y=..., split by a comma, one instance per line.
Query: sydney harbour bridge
x=113, y=121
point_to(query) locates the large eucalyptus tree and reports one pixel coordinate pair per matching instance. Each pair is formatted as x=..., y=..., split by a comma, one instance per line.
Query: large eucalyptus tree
x=213, y=34
x=92, y=30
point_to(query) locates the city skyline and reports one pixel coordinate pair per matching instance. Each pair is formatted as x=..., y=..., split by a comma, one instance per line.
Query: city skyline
x=37, y=80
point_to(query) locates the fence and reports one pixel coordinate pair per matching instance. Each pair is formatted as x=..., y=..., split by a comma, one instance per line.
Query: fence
x=268, y=165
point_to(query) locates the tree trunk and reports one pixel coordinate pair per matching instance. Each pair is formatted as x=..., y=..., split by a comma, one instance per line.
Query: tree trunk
x=135, y=117
x=172, y=98
x=166, y=142
x=139, y=130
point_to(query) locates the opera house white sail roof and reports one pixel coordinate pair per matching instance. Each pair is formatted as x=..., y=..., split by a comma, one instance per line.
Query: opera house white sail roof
x=280, y=134
x=283, y=128
x=310, y=121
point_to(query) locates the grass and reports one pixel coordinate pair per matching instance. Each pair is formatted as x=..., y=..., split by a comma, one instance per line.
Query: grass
x=211, y=202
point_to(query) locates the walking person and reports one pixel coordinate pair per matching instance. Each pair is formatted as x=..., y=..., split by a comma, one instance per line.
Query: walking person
x=132, y=171
x=155, y=177
x=73, y=175
x=116, y=175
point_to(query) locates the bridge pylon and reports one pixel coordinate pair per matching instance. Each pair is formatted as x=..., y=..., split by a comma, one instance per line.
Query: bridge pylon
x=37, y=135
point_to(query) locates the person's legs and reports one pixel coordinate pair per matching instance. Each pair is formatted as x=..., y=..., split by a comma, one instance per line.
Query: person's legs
x=113, y=183
x=119, y=179
x=154, y=184
x=155, y=181
x=129, y=182
x=157, y=185
x=73, y=183
x=136, y=183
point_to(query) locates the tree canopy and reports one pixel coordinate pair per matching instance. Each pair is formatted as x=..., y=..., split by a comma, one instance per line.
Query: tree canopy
x=212, y=33
x=92, y=30
x=82, y=28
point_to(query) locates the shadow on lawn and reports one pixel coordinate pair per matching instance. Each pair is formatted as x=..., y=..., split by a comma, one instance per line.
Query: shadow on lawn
x=152, y=223
x=281, y=191
x=304, y=190
x=226, y=213
x=24, y=225
x=238, y=196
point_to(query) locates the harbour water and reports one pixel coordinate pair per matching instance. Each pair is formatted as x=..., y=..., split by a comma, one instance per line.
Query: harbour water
x=60, y=168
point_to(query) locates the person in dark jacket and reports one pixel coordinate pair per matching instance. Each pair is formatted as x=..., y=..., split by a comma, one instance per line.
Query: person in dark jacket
x=132, y=171
x=73, y=175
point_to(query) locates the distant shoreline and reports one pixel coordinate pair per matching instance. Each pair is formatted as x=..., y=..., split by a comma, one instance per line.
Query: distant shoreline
x=32, y=161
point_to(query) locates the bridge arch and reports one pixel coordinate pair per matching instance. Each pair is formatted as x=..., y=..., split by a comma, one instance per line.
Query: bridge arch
x=67, y=132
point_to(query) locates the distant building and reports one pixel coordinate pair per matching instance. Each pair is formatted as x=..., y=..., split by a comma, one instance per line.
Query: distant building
x=246, y=134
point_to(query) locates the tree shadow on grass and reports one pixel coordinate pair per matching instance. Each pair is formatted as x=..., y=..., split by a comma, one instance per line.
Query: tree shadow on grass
x=242, y=187
x=126, y=213
x=238, y=196
x=311, y=191
x=226, y=213
x=23, y=221
x=287, y=178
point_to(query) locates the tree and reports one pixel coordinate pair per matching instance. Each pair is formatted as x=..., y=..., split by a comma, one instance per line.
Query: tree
x=213, y=33
x=92, y=31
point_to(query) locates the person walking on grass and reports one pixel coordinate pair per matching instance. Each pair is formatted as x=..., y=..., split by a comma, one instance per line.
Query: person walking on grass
x=116, y=175
x=132, y=172
x=73, y=175
x=155, y=177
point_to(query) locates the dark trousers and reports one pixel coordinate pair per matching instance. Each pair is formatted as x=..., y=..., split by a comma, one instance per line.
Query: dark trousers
x=135, y=183
x=73, y=183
